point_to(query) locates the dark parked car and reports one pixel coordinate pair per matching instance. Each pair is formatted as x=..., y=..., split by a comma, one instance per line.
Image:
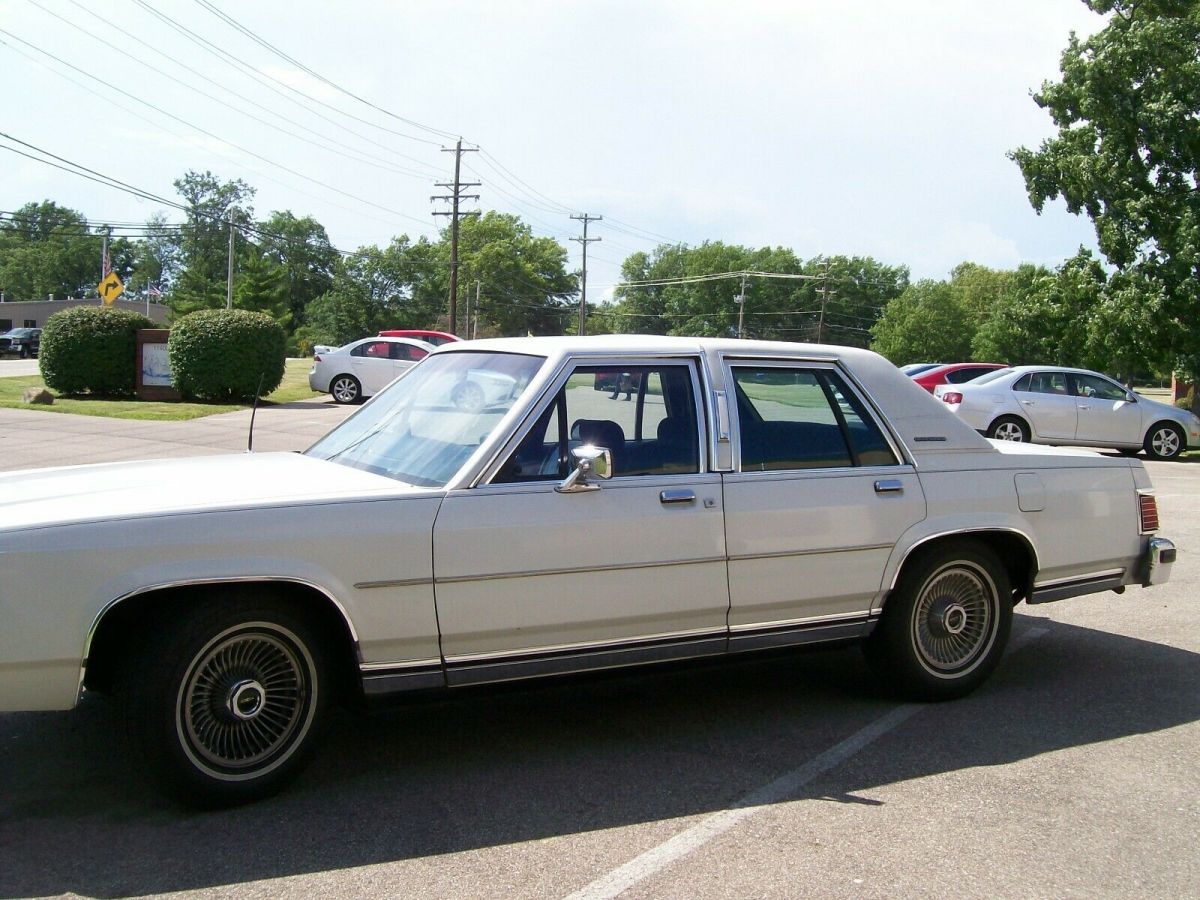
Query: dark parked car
x=22, y=342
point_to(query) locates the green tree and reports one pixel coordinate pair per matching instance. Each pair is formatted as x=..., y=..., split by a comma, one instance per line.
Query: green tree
x=524, y=283
x=1127, y=154
x=1043, y=317
x=927, y=323
x=50, y=249
x=300, y=246
x=203, y=241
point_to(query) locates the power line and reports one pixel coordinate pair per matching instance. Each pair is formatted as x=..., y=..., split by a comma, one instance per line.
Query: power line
x=337, y=87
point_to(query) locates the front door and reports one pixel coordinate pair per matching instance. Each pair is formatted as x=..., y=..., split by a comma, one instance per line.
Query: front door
x=1107, y=414
x=530, y=580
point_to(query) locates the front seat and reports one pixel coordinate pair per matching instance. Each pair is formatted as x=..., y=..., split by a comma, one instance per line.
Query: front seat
x=601, y=433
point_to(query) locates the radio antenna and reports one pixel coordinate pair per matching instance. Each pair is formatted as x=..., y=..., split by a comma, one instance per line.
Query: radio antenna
x=253, y=413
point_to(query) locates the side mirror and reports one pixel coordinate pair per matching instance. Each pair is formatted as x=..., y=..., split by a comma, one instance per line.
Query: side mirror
x=590, y=462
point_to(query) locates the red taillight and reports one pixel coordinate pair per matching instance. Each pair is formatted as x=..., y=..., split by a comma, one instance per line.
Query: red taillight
x=1148, y=513
x=952, y=397
x=317, y=358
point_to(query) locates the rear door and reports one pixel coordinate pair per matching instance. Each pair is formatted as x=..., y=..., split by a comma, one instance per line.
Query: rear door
x=1045, y=399
x=372, y=365
x=818, y=500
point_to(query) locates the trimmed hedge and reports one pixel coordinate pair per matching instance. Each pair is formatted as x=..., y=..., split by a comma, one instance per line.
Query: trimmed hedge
x=221, y=354
x=91, y=350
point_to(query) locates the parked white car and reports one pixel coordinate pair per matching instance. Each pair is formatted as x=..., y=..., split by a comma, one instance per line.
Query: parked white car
x=363, y=368
x=748, y=496
x=1055, y=405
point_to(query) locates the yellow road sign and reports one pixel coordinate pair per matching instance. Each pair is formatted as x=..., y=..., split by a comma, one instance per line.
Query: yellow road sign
x=110, y=288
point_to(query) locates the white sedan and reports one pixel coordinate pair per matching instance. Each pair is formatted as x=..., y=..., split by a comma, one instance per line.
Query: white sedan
x=363, y=368
x=747, y=496
x=1070, y=407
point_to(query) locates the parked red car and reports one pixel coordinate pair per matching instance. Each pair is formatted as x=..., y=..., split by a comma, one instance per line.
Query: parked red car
x=437, y=338
x=953, y=373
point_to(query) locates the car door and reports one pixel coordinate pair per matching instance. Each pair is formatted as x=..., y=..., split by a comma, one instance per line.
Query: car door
x=405, y=356
x=372, y=365
x=530, y=579
x=1108, y=413
x=1046, y=401
x=817, y=501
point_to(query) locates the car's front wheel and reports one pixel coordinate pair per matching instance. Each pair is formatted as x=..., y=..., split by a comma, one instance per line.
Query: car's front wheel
x=345, y=389
x=944, y=627
x=1009, y=428
x=1165, y=440
x=224, y=704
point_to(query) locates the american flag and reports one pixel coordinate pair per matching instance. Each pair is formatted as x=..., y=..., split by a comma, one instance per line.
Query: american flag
x=105, y=265
x=154, y=291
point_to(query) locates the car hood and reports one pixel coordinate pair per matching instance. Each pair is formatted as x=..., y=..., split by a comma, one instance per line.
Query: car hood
x=41, y=497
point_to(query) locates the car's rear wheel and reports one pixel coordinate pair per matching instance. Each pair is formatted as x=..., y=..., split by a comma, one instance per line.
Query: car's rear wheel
x=1165, y=440
x=224, y=704
x=1009, y=428
x=345, y=389
x=944, y=627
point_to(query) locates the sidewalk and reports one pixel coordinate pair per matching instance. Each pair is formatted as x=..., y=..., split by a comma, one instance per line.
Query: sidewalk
x=37, y=439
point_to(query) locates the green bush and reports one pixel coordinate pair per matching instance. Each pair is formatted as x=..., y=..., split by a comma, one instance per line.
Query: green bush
x=91, y=350
x=225, y=354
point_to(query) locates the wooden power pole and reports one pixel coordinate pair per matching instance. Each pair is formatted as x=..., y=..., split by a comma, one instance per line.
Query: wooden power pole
x=455, y=195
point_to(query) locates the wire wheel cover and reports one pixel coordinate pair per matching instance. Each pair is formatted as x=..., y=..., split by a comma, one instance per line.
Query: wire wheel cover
x=246, y=699
x=954, y=619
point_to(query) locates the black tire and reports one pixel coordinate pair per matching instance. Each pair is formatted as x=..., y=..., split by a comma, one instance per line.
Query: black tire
x=24, y=353
x=1165, y=440
x=223, y=704
x=345, y=389
x=945, y=626
x=1009, y=428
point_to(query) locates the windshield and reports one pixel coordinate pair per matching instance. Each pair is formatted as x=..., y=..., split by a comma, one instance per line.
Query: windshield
x=422, y=428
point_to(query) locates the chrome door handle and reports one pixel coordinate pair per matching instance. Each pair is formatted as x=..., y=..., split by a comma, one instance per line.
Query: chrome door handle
x=1027, y=403
x=889, y=486
x=676, y=496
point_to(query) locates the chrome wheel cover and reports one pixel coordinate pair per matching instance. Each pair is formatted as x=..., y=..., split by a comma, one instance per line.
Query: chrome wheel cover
x=954, y=619
x=1165, y=442
x=1009, y=431
x=246, y=702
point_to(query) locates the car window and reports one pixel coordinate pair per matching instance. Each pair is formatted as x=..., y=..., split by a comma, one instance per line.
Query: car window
x=794, y=418
x=408, y=351
x=1100, y=388
x=644, y=415
x=1043, y=383
x=970, y=373
x=373, y=350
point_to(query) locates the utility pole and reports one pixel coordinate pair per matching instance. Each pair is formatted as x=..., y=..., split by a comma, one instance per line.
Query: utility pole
x=741, y=302
x=473, y=332
x=585, y=240
x=825, y=293
x=454, y=197
x=229, y=277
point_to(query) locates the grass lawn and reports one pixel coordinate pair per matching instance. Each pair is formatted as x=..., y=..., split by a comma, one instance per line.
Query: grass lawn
x=293, y=387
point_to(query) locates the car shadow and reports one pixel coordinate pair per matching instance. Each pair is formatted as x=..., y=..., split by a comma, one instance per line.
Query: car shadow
x=502, y=766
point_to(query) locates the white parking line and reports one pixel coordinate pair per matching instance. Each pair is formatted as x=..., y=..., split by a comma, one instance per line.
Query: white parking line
x=658, y=858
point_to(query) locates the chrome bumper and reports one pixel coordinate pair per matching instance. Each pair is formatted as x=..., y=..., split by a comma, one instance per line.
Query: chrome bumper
x=1160, y=556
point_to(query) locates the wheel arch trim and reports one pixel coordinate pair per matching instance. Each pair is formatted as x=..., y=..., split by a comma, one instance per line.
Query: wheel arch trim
x=214, y=580
x=979, y=531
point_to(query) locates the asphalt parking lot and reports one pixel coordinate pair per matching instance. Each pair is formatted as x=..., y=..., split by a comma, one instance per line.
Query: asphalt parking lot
x=1074, y=772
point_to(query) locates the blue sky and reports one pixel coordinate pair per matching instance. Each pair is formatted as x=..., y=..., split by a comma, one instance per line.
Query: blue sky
x=868, y=127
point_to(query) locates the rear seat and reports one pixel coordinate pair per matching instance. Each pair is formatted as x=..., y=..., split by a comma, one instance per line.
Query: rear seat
x=792, y=445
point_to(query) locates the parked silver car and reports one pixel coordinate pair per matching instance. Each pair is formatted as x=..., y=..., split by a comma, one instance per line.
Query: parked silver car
x=1055, y=405
x=363, y=368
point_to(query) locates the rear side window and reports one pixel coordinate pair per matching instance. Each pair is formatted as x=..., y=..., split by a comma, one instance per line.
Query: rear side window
x=799, y=418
